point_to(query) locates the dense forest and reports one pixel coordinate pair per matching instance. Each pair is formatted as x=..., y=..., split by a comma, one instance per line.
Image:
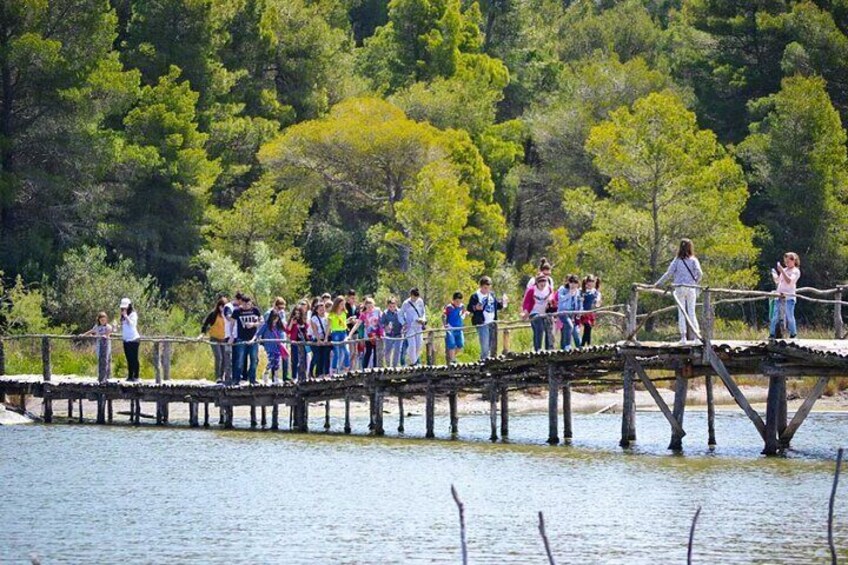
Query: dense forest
x=170, y=149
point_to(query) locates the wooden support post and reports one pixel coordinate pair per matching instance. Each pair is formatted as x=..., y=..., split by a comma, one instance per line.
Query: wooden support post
x=303, y=420
x=454, y=418
x=401, y=414
x=157, y=362
x=194, y=414
x=493, y=339
x=681, y=387
x=228, y=417
x=22, y=403
x=327, y=415
x=137, y=411
x=632, y=310
x=263, y=417
x=379, y=396
x=431, y=348
x=109, y=411
x=493, y=410
x=837, y=315
x=2, y=357
x=206, y=414
x=430, y=413
x=627, y=402
x=371, y=413
x=132, y=410
x=347, y=428
x=102, y=359
x=253, y=422
x=737, y=395
x=566, y=412
x=222, y=417
x=782, y=408
x=80, y=409
x=772, y=408
x=505, y=349
x=275, y=415
x=643, y=376
x=553, y=412
x=167, y=350
x=46, y=368
x=70, y=408
x=711, y=439
x=101, y=409
x=504, y=412
x=803, y=412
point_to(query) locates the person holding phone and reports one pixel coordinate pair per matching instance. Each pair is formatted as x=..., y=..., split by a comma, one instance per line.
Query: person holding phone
x=131, y=339
x=786, y=279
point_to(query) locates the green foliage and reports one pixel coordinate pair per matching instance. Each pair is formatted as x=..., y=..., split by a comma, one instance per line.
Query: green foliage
x=668, y=180
x=22, y=308
x=167, y=175
x=797, y=161
x=270, y=274
x=432, y=218
x=87, y=283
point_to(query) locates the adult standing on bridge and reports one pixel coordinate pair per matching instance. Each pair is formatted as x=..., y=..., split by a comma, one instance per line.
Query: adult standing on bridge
x=414, y=318
x=131, y=338
x=686, y=274
x=786, y=279
x=245, y=350
x=215, y=325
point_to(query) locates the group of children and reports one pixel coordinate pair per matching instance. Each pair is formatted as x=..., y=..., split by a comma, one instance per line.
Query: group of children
x=568, y=309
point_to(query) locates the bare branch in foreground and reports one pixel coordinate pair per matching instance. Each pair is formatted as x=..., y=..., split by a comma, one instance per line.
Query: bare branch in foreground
x=461, y=507
x=833, y=558
x=545, y=538
x=692, y=536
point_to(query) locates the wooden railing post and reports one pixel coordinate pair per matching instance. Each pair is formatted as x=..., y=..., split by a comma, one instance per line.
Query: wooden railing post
x=2, y=357
x=46, y=368
x=167, y=349
x=505, y=341
x=431, y=348
x=157, y=363
x=837, y=314
x=102, y=359
x=632, y=309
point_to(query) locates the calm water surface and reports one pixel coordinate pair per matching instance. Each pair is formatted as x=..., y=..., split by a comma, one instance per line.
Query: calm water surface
x=88, y=494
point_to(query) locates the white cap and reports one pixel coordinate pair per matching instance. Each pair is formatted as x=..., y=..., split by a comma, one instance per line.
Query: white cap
x=125, y=303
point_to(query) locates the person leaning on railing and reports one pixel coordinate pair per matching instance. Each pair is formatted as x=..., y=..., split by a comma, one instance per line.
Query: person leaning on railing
x=215, y=326
x=685, y=273
x=484, y=307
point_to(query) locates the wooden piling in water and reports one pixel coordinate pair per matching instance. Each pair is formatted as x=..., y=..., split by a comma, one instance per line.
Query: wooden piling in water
x=80, y=409
x=347, y=428
x=504, y=413
x=253, y=422
x=70, y=408
x=553, y=412
x=109, y=411
x=205, y=414
x=566, y=412
x=401, y=414
x=772, y=414
x=327, y=415
x=275, y=415
x=681, y=387
x=493, y=410
x=137, y=411
x=430, y=413
x=379, y=395
x=101, y=409
x=263, y=417
x=193, y=414
x=628, y=405
x=454, y=417
x=711, y=438
x=2, y=357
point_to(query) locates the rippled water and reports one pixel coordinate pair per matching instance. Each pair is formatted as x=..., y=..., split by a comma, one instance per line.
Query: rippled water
x=89, y=494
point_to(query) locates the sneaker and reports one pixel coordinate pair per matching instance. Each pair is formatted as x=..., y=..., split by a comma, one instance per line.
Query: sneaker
x=793, y=336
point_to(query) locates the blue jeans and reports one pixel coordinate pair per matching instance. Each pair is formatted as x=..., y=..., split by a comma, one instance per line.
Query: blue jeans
x=341, y=354
x=485, y=337
x=298, y=361
x=541, y=332
x=568, y=333
x=391, y=352
x=790, y=317
x=242, y=351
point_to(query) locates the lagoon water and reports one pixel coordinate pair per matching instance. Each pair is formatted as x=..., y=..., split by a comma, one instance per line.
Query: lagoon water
x=90, y=494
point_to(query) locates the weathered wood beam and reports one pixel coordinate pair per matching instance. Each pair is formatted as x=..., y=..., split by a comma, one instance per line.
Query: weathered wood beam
x=675, y=425
x=347, y=428
x=379, y=396
x=736, y=393
x=504, y=412
x=711, y=439
x=628, y=432
x=566, y=412
x=802, y=413
x=493, y=410
x=681, y=387
x=430, y=413
x=454, y=419
x=553, y=397
x=326, y=415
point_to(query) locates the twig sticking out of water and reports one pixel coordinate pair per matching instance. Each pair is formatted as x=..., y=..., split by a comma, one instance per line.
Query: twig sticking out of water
x=692, y=536
x=461, y=507
x=833, y=558
x=545, y=538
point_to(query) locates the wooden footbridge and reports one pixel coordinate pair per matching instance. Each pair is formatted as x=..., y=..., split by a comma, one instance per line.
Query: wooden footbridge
x=622, y=365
